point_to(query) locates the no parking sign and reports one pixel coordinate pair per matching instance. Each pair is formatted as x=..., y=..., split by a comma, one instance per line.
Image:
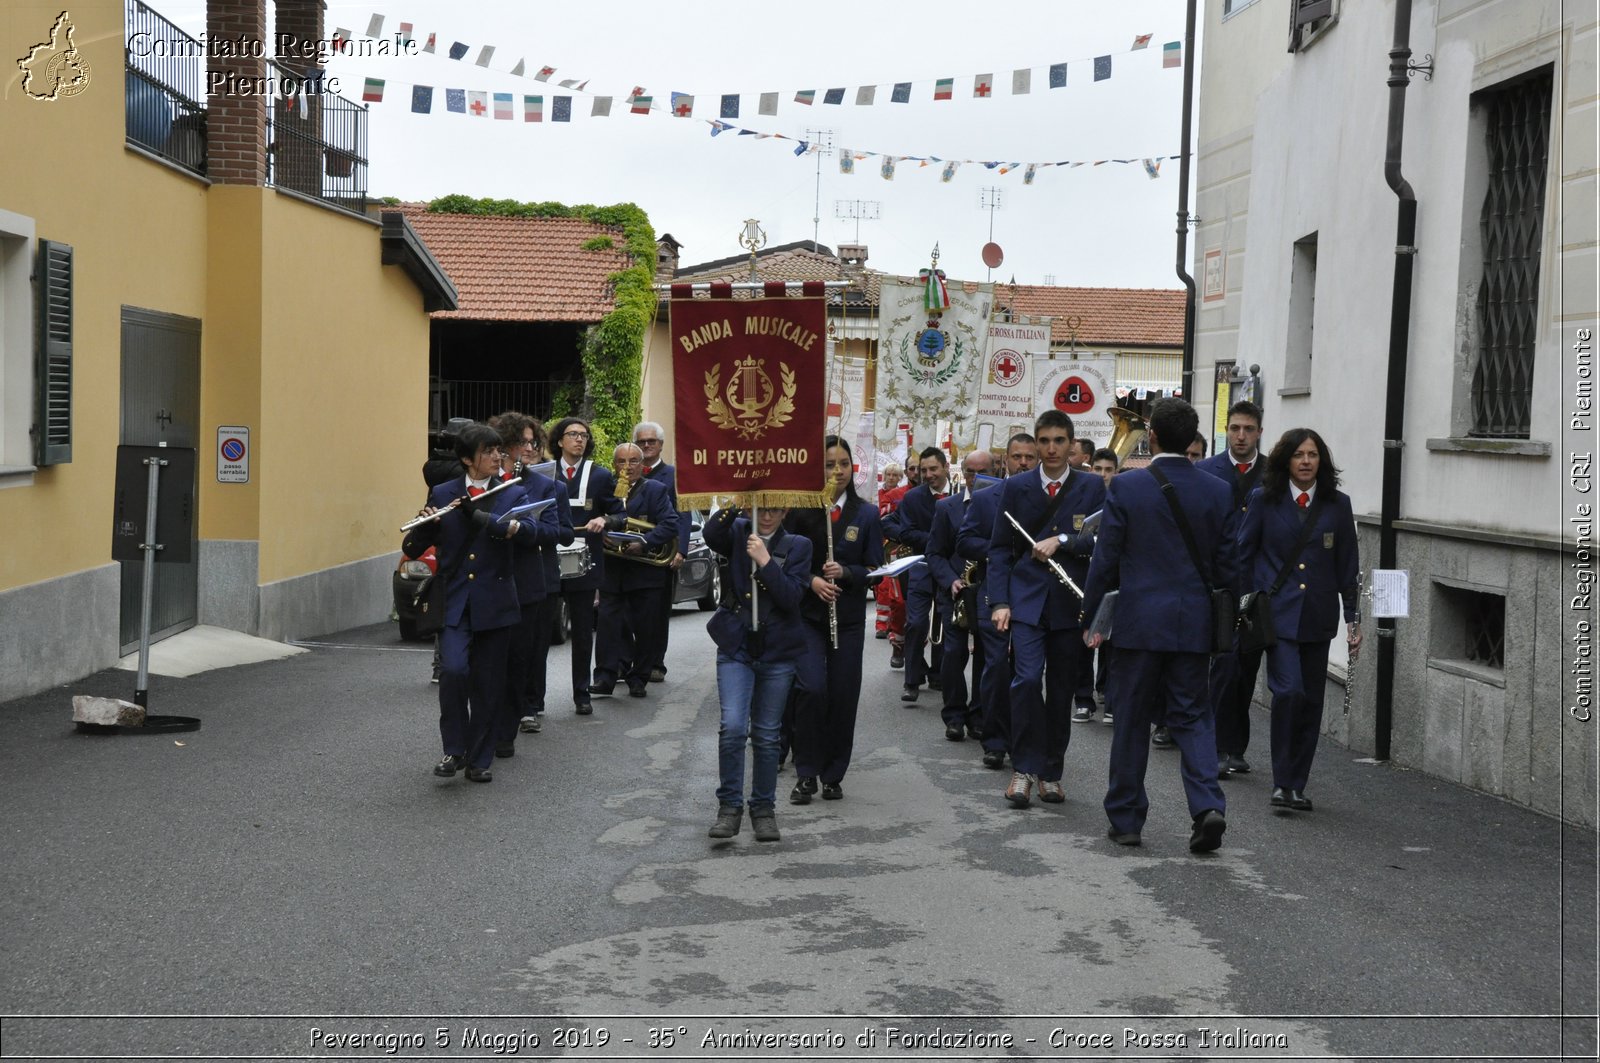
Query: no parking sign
x=233, y=454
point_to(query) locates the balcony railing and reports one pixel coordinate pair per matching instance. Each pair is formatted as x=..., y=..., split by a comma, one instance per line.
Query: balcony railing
x=165, y=84
x=317, y=143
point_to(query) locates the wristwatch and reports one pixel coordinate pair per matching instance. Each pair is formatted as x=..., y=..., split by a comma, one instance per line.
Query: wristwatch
x=1062, y=538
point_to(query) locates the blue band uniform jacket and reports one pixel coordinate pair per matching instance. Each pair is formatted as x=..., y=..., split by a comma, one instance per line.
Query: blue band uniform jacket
x=1028, y=587
x=481, y=593
x=599, y=501
x=647, y=500
x=857, y=547
x=1307, y=606
x=785, y=581
x=537, y=569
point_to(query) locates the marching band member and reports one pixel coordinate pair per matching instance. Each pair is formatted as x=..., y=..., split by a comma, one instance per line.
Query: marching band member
x=474, y=551
x=629, y=632
x=1298, y=541
x=972, y=543
x=649, y=437
x=909, y=525
x=755, y=668
x=828, y=682
x=962, y=714
x=591, y=494
x=1042, y=615
x=1163, y=622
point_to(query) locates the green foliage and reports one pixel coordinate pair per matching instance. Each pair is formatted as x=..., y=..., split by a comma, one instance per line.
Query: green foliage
x=389, y=201
x=611, y=352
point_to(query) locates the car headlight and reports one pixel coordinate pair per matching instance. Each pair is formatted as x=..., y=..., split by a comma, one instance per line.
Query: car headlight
x=697, y=570
x=415, y=569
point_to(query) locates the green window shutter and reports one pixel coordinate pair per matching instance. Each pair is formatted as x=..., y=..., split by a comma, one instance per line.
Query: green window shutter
x=52, y=430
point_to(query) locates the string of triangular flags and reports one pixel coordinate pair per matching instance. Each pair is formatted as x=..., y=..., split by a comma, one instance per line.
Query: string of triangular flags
x=502, y=105
x=729, y=105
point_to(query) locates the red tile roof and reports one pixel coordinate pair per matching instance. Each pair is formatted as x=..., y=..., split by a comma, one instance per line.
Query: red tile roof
x=1133, y=317
x=521, y=269
x=789, y=263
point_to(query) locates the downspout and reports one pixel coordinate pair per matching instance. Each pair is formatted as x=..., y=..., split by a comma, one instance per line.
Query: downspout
x=1186, y=379
x=1394, y=414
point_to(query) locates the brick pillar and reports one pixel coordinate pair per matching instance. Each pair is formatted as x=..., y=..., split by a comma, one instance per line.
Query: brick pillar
x=236, y=122
x=297, y=155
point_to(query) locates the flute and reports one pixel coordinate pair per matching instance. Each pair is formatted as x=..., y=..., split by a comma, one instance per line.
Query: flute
x=1350, y=669
x=1055, y=566
x=438, y=513
x=833, y=604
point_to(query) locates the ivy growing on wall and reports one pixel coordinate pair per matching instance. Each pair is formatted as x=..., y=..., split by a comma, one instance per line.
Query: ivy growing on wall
x=611, y=352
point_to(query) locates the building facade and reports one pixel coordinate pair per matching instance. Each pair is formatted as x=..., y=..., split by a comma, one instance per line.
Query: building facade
x=170, y=274
x=1295, y=255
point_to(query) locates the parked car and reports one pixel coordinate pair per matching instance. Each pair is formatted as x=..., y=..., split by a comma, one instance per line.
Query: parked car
x=410, y=573
x=699, y=578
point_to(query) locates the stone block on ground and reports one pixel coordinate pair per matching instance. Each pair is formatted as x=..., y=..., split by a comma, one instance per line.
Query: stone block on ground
x=106, y=712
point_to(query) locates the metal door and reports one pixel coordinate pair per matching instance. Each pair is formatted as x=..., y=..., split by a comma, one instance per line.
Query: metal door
x=160, y=404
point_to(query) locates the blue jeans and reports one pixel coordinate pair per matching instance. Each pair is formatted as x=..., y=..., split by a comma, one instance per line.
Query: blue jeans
x=752, y=695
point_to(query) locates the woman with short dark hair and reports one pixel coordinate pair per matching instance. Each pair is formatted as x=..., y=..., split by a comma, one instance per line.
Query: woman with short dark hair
x=1298, y=544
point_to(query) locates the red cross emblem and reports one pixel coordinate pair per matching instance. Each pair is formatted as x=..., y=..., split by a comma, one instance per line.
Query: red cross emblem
x=546, y=71
x=1006, y=368
x=478, y=107
x=683, y=110
x=981, y=89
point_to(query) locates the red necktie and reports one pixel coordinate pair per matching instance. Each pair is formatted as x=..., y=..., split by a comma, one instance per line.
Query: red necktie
x=1243, y=469
x=835, y=513
x=1052, y=487
x=570, y=470
x=1303, y=501
x=474, y=492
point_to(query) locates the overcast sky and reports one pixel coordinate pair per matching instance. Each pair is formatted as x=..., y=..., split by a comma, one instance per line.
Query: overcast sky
x=1096, y=226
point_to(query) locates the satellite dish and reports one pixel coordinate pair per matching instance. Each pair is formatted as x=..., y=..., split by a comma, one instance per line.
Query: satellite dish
x=992, y=255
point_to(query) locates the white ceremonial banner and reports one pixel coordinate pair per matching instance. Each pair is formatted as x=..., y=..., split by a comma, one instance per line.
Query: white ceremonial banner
x=864, y=451
x=1005, y=400
x=1083, y=388
x=928, y=374
x=847, y=395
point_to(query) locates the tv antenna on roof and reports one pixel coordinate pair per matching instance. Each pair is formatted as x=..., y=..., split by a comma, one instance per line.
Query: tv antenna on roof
x=859, y=209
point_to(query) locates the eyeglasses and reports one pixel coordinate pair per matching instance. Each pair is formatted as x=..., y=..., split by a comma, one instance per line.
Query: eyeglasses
x=647, y=442
x=575, y=434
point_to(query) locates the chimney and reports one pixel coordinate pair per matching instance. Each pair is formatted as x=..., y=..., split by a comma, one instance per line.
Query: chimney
x=853, y=256
x=666, y=258
x=236, y=121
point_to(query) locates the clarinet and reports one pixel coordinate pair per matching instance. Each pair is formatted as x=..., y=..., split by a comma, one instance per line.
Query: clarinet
x=833, y=605
x=1350, y=669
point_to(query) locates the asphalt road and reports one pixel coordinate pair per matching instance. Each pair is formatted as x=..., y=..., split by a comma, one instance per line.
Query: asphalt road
x=295, y=865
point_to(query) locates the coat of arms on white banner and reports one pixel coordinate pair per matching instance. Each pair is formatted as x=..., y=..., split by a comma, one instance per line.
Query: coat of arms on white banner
x=931, y=360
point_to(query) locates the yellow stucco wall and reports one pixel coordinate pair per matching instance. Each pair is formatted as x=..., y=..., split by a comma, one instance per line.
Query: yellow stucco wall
x=138, y=232
x=306, y=337
x=344, y=382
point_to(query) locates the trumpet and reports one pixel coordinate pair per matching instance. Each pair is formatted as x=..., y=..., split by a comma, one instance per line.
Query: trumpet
x=961, y=614
x=1055, y=566
x=438, y=513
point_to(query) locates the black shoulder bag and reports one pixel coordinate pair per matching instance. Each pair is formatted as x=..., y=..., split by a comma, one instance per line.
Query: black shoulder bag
x=1255, y=609
x=1223, y=617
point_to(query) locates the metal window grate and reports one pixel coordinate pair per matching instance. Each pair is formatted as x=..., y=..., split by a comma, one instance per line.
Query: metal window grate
x=1486, y=629
x=1512, y=229
x=317, y=141
x=165, y=87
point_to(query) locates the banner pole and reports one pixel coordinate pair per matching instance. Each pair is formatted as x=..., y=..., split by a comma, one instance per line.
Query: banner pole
x=755, y=585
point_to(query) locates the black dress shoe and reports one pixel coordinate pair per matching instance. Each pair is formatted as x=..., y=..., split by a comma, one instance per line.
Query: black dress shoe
x=1128, y=837
x=1208, y=828
x=505, y=749
x=585, y=707
x=832, y=791
x=1162, y=739
x=881, y=635
x=1299, y=801
x=658, y=675
x=637, y=691
x=1280, y=797
x=602, y=690
x=897, y=660
x=1237, y=764
x=804, y=787
x=449, y=766
x=480, y=775
x=953, y=732
x=935, y=683
x=975, y=732
x=994, y=758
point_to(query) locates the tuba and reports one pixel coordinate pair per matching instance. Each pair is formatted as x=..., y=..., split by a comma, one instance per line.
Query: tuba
x=660, y=556
x=964, y=614
x=1128, y=429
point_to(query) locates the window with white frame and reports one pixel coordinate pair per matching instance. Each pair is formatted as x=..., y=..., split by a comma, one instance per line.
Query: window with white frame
x=17, y=350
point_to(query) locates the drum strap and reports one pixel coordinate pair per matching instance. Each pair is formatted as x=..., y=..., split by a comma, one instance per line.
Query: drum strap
x=583, y=486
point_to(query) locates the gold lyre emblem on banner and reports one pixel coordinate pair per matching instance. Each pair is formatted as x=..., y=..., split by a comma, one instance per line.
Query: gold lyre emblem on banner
x=751, y=403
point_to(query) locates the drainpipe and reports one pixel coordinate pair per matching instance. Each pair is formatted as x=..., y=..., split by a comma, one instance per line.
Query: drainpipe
x=1394, y=414
x=1186, y=380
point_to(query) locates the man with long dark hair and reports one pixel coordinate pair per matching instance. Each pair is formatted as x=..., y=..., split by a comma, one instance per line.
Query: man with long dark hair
x=1163, y=621
x=1299, y=537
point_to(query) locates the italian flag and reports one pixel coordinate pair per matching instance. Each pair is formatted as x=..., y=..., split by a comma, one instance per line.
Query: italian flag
x=806, y=96
x=944, y=88
x=533, y=108
x=373, y=91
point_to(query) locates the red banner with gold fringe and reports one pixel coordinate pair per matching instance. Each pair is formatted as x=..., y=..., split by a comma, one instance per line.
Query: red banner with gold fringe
x=749, y=382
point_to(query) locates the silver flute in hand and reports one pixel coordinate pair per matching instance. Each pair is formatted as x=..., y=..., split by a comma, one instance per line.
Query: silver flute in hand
x=1055, y=566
